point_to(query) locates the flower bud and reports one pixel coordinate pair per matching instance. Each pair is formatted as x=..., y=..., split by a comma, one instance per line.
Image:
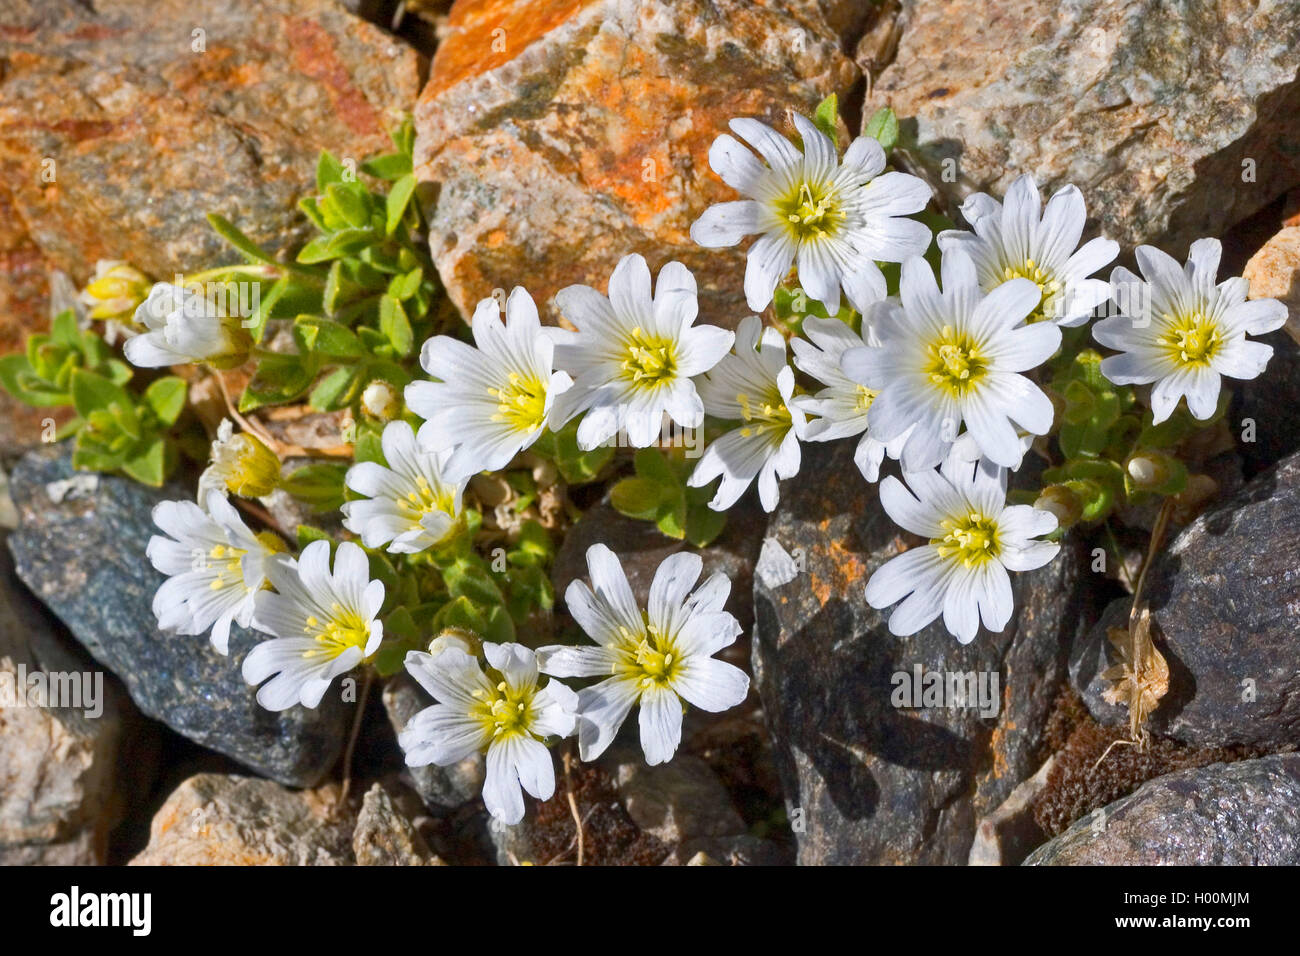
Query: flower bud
x=115, y=291
x=380, y=400
x=1149, y=469
x=241, y=464
x=1062, y=502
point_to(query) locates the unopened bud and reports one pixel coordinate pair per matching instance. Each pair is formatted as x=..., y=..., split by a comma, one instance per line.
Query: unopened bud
x=1061, y=502
x=381, y=401
x=1149, y=469
x=115, y=291
x=242, y=464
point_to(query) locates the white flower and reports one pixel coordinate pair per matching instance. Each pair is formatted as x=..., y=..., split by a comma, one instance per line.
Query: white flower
x=183, y=326
x=1182, y=332
x=241, y=464
x=975, y=538
x=1012, y=241
x=495, y=399
x=215, y=567
x=657, y=658
x=952, y=358
x=324, y=623
x=843, y=404
x=410, y=505
x=753, y=385
x=634, y=354
x=504, y=714
x=836, y=218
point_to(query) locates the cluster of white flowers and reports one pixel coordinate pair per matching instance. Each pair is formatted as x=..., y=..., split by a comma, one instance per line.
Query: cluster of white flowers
x=939, y=378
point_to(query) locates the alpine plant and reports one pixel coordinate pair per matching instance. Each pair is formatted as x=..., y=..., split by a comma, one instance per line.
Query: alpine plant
x=635, y=355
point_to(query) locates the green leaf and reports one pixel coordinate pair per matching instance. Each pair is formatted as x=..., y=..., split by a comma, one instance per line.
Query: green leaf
x=389, y=166
x=351, y=200
x=308, y=533
x=398, y=197
x=883, y=127
x=328, y=171
x=395, y=325
x=279, y=378
x=639, y=498
x=368, y=446
x=166, y=396
x=320, y=486
x=335, y=389
x=703, y=524
x=828, y=111
x=91, y=393
x=245, y=246
x=327, y=338
x=256, y=323
x=149, y=465
x=467, y=577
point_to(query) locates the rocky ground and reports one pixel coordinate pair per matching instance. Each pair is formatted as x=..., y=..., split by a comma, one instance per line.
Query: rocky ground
x=552, y=139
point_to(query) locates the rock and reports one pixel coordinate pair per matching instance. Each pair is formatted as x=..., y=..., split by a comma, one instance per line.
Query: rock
x=443, y=789
x=219, y=820
x=1129, y=99
x=383, y=837
x=562, y=137
x=1238, y=814
x=60, y=790
x=677, y=801
x=866, y=782
x=727, y=851
x=1226, y=607
x=1007, y=835
x=1270, y=404
x=84, y=556
x=122, y=124
x=642, y=548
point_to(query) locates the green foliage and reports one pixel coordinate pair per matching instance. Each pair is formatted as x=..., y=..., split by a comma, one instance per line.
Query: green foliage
x=117, y=429
x=658, y=493
x=576, y=466
x=883, y=127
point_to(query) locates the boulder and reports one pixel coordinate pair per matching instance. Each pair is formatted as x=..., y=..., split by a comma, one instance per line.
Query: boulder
x=1226, y=607
x=1238, y=814
x=562, y=136
x=1177, y=120
x=865, y=781
x=81, y=549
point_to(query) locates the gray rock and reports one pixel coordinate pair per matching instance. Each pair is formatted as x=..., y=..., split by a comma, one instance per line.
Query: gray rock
x=60, y=789
x=740, y=850
x=677, y=801
x=1007, y=835
x=1238, y=814
x=218, y=820
x=384, y=837
x=443, y=789
x=1225, y=600
x=1176, y=119
x=866, y=782
x=85, y=558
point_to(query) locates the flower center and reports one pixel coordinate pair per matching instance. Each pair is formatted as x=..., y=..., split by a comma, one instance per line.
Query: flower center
x=650, y=657
x=813, y=211
x=342, y=630
x=225, y=560
x=505, y=712
x=765, y=413
x=650, y=359
x=1049, y=287
x=972, y=539
x=424, y=498
x=1191, y=339
x=954, y=362
x=522, y=402
x=865, y=396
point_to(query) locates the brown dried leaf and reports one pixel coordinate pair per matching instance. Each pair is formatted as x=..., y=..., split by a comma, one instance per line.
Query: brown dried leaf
x=1141, y=677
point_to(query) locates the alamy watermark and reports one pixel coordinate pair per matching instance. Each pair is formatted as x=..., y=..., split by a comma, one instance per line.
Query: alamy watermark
x=950, y=690
x=73, y=690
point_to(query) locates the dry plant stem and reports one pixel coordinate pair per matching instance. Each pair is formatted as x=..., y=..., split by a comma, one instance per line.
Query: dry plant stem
x=573, y=803
x=352, y=737
x=1157, y=533
x=281, y=449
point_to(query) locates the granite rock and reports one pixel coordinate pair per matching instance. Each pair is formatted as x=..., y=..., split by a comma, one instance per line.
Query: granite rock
x=866, y=781
x=84, y=556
